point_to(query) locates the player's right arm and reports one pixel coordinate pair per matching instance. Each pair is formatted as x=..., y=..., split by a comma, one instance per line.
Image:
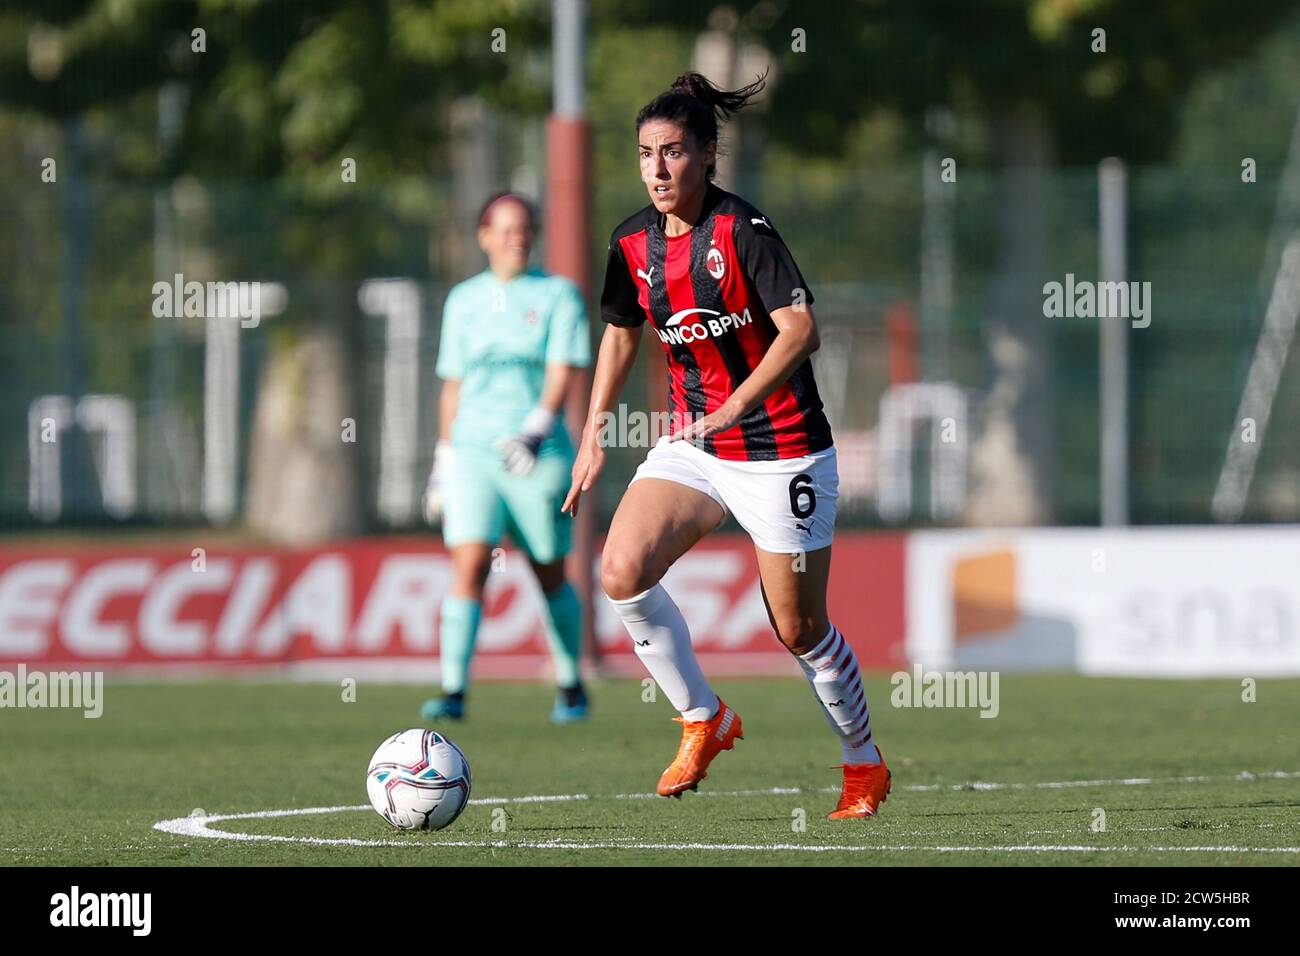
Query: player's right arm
x=623, y=317
x=448, y=404
x=450, y=368
x=618, y=348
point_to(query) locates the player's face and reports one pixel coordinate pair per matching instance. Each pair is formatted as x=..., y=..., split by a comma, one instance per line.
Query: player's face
x=507, y=239
x=673, y=165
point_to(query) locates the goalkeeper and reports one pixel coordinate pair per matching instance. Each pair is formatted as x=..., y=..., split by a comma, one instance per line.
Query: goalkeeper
x=512, y=338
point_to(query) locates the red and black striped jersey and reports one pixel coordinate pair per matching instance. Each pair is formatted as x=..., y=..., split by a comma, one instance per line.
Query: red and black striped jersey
x=709, y=294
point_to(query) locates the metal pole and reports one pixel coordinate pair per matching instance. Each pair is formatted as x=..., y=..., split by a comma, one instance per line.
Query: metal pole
x=568, y=249
x=220, y=416
x=1271, y=352
x=77, y=463
x=1113, y=253
x=570, y=88
x=938, y=201
x=164, y=493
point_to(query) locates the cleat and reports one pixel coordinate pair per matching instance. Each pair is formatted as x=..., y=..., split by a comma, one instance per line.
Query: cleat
x=701, y=742
x=565, y=713
x=443, y=708
x=866, y=787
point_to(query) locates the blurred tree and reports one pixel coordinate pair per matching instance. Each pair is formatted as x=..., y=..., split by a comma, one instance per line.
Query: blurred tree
x=285, y=92
x=1051, y=91
x=1052, y=82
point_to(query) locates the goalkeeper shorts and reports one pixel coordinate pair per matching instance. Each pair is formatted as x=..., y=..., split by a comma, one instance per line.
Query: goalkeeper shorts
x=482, y=502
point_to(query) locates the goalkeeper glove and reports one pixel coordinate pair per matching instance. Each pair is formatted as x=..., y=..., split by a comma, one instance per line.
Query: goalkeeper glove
x=433, y=497
x=520, y=452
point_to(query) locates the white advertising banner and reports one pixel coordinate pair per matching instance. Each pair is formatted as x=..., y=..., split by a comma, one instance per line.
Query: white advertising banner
x=1176, y=602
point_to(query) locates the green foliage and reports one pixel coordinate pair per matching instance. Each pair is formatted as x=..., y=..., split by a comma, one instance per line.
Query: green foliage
x=874, y=54
x=280, y=88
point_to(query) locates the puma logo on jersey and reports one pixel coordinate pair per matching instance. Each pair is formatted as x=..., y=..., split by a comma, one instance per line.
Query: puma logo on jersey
x=803, y=527
x=646, y=275
x=761, y=219
x=640, y=643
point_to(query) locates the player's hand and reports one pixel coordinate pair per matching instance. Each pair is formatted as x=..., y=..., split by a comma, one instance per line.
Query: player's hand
x=719, y=421
x=586, y=469
x=431, y=504
x=520, y=453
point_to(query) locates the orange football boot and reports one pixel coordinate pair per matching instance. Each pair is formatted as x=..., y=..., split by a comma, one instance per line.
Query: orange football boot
x=702, y=740
x=866, y=787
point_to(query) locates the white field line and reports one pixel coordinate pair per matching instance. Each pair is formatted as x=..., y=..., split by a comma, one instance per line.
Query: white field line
x=1214, y=826
x=65, y=849
x=1121, y=782
x=198, y=825
x=985, y=786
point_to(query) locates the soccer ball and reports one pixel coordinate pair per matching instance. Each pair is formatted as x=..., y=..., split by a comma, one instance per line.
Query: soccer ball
x=418, y=780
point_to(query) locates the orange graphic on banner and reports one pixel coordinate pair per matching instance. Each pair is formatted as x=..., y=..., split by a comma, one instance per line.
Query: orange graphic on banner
x=984, y=594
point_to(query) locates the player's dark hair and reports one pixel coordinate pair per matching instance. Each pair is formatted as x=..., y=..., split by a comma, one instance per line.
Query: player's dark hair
x=699, y=106
x=485, y=215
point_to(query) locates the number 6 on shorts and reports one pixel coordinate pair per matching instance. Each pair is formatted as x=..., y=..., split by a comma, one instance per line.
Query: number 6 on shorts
x=801, y=487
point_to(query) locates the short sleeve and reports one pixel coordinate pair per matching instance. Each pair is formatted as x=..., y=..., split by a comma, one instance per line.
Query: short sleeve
x=618, y=300
x=451, y=353
x=568, y=341
x=769, y=265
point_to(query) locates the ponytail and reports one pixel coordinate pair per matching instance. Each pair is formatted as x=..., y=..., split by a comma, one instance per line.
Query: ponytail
x=699, y=106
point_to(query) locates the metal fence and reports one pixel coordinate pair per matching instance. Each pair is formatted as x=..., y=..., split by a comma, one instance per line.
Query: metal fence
x=908, y=280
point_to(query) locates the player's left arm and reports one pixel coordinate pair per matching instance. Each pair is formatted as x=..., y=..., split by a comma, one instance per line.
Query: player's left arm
x=560, y=377
x=780, y=286
x=568, y=350
x=520, y=452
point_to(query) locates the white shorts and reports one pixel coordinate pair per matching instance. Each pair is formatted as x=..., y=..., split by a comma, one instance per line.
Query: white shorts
x=786, y=506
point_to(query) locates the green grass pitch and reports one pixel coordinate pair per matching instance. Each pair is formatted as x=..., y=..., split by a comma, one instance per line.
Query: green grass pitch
x=1185, y=771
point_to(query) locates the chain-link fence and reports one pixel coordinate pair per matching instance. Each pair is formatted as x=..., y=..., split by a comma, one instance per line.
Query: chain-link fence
x=114, y=401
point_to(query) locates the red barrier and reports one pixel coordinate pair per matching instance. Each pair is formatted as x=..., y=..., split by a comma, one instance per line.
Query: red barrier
x=369, y=608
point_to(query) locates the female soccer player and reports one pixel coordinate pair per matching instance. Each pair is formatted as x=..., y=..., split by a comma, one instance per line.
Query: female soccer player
x=511, y=338
x=729, y=305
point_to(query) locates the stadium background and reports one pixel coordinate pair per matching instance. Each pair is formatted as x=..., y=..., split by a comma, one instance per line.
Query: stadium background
x=228, y=164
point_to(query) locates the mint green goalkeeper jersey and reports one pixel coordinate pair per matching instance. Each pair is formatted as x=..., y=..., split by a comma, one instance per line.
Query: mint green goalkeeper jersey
x=497, y=339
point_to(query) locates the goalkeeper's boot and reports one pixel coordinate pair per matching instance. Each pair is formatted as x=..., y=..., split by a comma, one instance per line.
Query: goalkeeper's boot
x=571, y=705
x=702, y=740
x=866, y=787
x=450, y=707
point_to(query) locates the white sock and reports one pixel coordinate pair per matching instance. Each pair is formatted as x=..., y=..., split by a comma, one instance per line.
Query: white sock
x=663, y=643
x=832, y=669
